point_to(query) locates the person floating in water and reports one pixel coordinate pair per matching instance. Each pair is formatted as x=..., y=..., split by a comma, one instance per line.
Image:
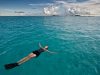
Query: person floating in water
x=33, y=54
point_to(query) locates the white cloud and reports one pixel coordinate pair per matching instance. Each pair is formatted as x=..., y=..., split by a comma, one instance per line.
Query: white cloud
x=92, y=5
x=60, y=2
x=94, y=1
x=40, y=4
x=20, y=12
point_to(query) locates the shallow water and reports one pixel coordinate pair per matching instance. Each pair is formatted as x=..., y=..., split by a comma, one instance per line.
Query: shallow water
x=75, y=39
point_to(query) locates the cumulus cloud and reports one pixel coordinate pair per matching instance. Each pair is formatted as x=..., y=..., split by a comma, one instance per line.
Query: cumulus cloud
x=91, y=6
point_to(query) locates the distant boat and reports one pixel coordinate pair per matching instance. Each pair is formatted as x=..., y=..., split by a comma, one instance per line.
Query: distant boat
x=77, y=15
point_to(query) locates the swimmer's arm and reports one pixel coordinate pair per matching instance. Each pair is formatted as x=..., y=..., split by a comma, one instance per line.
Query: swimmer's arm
x=40, y=46
x=51, y=51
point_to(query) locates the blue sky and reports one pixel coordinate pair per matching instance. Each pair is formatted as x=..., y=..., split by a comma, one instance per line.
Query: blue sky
x=21, y=3
x=30, y=6
x=24, y=3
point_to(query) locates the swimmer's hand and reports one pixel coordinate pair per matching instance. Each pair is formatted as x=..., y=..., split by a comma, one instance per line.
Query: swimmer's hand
x=51, y=52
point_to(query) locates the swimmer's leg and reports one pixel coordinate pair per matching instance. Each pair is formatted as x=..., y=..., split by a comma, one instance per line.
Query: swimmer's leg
x=23, y=60
x=12, y=65
x=31, y=55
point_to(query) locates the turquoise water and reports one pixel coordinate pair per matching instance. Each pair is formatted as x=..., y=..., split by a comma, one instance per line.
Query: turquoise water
x=75, y=39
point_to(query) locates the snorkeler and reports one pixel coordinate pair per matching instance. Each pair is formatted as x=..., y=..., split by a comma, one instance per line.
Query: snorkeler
x=33, y=54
